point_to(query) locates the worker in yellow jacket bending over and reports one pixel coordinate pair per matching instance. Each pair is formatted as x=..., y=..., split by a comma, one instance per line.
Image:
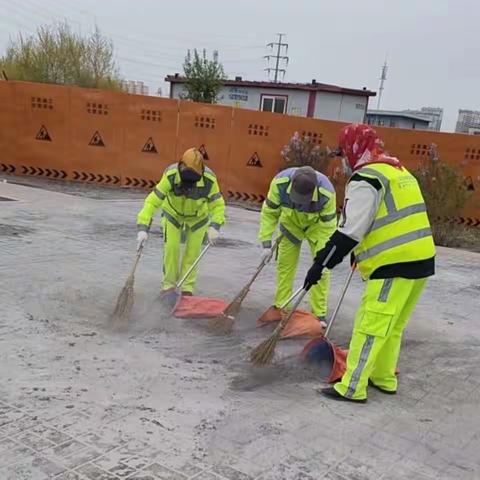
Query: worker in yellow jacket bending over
x=385, y=223
x=191, y=202
x=302, y=202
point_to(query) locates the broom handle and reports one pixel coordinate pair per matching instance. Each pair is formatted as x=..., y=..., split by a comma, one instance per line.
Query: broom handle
x=300, y=293
x=340, y=300
x=140, y=250
x=291, y=297
x=137, y=259
x=262, y=265
x=194, y=264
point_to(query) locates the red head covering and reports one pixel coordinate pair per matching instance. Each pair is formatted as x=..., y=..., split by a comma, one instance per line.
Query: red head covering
x=361, y=145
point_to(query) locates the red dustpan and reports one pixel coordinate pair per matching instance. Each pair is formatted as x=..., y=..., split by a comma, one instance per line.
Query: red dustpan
x=199, y=307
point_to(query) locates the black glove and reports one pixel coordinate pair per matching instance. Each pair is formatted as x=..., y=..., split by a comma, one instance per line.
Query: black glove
x=329, y=256
x=313, y=275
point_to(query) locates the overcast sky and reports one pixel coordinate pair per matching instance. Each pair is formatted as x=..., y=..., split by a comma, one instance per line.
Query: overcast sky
x=432, y=45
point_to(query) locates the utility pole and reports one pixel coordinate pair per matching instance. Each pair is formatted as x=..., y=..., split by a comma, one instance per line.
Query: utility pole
x=278, y=58
x=383, y=77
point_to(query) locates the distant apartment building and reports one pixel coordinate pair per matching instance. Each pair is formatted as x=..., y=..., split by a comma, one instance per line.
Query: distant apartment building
x=315, y=100
x=394, y=119
x=433, y=114
x=135, y=87
x=468, y=122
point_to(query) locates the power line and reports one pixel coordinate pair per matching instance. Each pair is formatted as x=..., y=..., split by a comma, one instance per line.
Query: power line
x=149, y=64
x=175, y=39
x=130, y=43
x=161, y=46
x=132, y=48
x=278, y=58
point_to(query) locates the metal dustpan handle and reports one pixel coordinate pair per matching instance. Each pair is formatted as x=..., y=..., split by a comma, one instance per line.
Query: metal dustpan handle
x=298, y=295
x=194, y=264
x=340, y=300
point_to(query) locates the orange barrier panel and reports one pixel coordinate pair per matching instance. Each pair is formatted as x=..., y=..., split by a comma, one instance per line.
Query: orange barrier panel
x=150, y=135
x=118, y=139
x=207, y=127
x=412, y=147
x=8, y=162
x=257, y=141
x=97, y=129
x=42, y=120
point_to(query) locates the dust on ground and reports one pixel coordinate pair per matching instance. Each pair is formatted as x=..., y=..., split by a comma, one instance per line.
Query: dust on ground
x=82, y=399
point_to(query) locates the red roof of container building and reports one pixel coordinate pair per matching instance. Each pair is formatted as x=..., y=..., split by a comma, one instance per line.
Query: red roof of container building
x=314, y=86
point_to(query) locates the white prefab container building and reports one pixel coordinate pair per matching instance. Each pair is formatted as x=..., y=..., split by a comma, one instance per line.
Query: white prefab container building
x=315, y=100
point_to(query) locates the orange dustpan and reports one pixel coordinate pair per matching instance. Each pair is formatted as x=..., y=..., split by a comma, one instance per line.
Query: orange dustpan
x=331, y=359
x=199, y=307
x=302, y=323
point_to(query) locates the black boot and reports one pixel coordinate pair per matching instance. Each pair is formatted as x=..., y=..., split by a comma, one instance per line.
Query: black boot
x=380, y=389
x=330, y=392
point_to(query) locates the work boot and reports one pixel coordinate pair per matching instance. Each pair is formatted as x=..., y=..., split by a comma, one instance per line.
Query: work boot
x=330, y=392
x=380, y=389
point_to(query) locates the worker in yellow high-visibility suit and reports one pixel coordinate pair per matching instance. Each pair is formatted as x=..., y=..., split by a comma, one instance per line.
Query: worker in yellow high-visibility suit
x=189, y=196
x=302, y=201
x=385, y=223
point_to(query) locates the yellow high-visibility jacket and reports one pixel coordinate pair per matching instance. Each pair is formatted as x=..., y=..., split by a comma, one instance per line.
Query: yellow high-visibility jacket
x=296, y=222
x=195, y=208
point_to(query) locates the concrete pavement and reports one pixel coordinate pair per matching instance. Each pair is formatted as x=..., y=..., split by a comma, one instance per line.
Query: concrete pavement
x=165, y=400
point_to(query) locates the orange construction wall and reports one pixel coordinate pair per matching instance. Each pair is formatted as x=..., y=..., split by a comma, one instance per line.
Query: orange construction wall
x=8, y=162
x=127, y=140
x=149, y=127
x=209, y=128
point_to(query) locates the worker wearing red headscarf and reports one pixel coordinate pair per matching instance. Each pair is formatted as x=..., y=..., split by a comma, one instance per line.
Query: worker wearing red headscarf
x=384, y=222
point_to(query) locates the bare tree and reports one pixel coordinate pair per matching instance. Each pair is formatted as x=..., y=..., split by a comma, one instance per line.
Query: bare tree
x=56, y=54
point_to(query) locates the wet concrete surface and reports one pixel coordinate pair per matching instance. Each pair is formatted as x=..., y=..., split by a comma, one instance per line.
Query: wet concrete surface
x=163, y=399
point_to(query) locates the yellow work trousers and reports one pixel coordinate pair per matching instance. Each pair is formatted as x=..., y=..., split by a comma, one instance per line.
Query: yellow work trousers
x=287, y=263
x=173, y=268
x=377, y=333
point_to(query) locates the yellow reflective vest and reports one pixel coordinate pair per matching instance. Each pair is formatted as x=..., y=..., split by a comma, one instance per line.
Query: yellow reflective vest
x=195, y=208
x=401, y=230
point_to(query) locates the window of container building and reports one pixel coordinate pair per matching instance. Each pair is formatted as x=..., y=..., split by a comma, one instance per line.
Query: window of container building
x=272, y=103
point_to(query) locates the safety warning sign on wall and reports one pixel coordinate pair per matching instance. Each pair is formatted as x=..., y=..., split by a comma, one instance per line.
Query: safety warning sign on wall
x=149, y=146
x=254, y=161
x=43, y=134
x=97, y=140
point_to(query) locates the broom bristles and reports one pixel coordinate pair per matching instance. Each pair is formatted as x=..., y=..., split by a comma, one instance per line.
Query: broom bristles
x=124, y=305
x=263, y=354
x=233, y=308
x=221, y=325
